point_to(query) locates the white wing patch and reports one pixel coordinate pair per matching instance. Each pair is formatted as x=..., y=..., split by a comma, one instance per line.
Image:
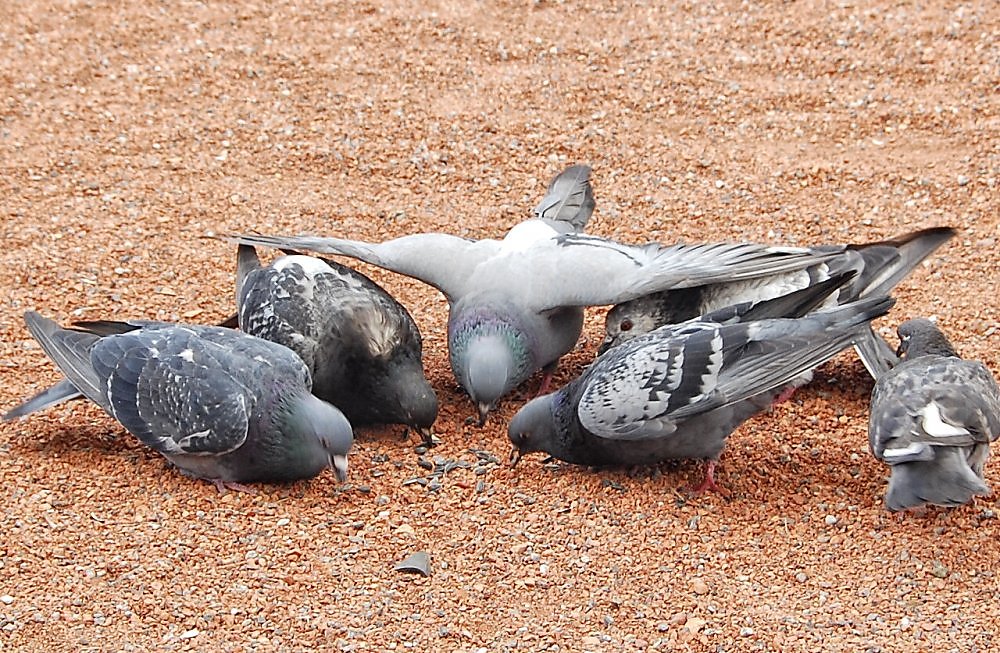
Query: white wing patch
x=525, y=234
x=710, y=379
x=310, y=265
x=187, y=354
x=180, y=446
x=933, y=424
x=753, y=290
x=903, y=452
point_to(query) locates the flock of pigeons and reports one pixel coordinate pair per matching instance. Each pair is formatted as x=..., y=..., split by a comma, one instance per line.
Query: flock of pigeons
x=701, y=338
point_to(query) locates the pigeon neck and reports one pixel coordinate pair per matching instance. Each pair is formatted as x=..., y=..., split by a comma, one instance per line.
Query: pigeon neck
x=490, y=353
x=929, y=343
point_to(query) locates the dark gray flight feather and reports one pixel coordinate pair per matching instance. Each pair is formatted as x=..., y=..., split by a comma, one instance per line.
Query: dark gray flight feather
x=64, y=390
x=879, y=267
x=933, y=417
x=569, y=199
x=361, y=345
x=221, y=405
x=680, y=390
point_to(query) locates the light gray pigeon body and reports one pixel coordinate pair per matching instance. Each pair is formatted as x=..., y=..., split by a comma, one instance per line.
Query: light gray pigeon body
x=516, y=304
x=879, y=266
x=933, y=417
x=219, y=404
x=680, y=390
x=362, y=346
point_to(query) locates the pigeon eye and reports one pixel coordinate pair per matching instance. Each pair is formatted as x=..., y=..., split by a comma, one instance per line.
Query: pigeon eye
x=626, y=325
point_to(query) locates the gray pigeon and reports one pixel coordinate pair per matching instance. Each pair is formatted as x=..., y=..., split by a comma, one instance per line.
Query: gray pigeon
x=680, y=390
x=361, y=346
x=879, y=267
x=516, y=305
x=219, y=404
x=933, y=417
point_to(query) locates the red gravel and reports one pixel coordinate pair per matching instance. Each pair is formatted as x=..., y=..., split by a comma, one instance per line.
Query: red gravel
x=128, y=131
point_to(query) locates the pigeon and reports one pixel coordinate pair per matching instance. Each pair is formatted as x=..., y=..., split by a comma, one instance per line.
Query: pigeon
x=880, y=266
x=516, y=305
x=932, y=419
x=362, y=346
x=220, y=405
x=680, y=390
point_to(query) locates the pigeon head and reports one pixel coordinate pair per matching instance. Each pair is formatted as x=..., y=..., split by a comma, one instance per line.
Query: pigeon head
x=323, y=431
x=406, y=396
x=488, y=366
x=533, y=428
x=921, y=337
x=490, y=355
x=628, y=320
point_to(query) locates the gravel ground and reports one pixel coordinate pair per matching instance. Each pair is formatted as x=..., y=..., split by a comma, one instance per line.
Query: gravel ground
x=128, y=131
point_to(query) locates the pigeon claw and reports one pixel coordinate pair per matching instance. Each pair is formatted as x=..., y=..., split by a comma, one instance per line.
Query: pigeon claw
x=484, y=412
x=709, y=482
x=515, y=457
x=222, y=486
x=427, y=438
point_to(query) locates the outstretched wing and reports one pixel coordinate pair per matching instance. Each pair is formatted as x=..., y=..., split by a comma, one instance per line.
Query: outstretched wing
x=440, y=260
x=591, y=271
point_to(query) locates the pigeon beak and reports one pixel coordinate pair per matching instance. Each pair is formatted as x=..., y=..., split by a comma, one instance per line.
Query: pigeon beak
x=340, y=467
x=515, y=457
x=427, y=436
x=606, y=345
x=484, y=412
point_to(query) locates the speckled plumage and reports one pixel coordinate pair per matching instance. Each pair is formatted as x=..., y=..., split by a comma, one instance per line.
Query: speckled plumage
x=221, y=405
x=879, y=267
x=362, y=346
x=933, y=417
x=539, y=278
x=679, y=391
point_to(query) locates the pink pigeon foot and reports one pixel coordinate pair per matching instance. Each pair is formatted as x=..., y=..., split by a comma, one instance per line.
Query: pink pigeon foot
x=709, y=482
x=222, y=486
x=784, y=395
x=547, y=373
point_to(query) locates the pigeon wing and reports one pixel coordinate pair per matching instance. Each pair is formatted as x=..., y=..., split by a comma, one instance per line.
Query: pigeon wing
x=439, y=260
x=636, y=390
x=594, y=271
x=924, y=404
x=172, y=391
x=569, y=198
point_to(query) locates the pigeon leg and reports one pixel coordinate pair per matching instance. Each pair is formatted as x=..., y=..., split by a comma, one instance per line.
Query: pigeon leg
x=426, y=437
x=222, y=486
x=784, y=395
x=709, y=482
x=547, y=373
